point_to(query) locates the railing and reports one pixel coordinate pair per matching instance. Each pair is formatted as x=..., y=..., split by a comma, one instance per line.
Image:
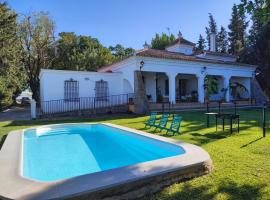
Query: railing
x=92, y=104
x=266, y=106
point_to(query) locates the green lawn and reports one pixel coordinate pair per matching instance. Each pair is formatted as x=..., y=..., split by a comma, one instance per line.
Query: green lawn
x=241, y=161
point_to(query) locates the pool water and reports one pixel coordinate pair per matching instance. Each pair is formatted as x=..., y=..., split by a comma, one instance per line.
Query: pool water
x=56, y=152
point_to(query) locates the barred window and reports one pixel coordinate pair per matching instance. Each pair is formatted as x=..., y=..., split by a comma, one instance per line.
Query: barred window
x=71, y=90
x=102, y=90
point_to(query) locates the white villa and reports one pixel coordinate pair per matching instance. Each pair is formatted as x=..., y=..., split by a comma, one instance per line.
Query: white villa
x=176, y=74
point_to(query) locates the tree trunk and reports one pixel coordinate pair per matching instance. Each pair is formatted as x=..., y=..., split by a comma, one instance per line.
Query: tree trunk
x=34, y=85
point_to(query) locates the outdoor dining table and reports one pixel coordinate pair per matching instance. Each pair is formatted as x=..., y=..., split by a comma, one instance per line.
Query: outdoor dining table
x=223, y=117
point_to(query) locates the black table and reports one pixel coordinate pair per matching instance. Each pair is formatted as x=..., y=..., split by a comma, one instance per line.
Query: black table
x=230, y=117
x=223, y=117
x=208, y=115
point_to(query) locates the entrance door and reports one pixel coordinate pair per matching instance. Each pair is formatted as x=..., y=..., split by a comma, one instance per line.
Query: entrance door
x=182, y=88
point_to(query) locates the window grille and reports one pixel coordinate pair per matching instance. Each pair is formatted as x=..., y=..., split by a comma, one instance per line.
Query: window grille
x=71, y=90
x=101, y=90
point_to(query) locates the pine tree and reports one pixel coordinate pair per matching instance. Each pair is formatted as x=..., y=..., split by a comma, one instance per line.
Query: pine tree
x=160, y=42
x=255, y=29
x=222, y=40
x=12, y=76
x=201, y=43
x=237, y=33
x=212, y=28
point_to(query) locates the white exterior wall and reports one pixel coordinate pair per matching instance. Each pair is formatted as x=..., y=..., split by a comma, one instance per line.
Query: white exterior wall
x=181, y=48
x=52, y=90
x=121, y=81
x=187, y=67
x=52, y=83
x=174, y=67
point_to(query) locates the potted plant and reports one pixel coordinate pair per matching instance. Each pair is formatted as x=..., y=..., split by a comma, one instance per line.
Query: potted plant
x=210, y=86
x=236, y=89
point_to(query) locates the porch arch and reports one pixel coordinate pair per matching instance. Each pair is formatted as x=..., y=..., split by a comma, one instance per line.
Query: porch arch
x=127, y=87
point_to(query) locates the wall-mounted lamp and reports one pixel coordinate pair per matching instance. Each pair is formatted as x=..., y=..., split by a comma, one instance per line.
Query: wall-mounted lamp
x=141, y=65
x=257, y=72
x=203, y=70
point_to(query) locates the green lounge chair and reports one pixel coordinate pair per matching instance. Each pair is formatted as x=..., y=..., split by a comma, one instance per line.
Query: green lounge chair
x=162, y=122
x=152, y=120
x=175, y=125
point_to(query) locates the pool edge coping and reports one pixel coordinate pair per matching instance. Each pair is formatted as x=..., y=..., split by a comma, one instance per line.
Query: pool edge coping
x=18, y=186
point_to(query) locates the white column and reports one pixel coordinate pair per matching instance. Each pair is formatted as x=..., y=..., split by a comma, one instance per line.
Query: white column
x=171, y=77
x=200, y=78
x=33, y=109
x=226, y=80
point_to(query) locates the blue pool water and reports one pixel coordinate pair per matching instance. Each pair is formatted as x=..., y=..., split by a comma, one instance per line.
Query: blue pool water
x=63, y=151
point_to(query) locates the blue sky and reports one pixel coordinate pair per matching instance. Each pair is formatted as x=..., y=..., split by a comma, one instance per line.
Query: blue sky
x=130, y=22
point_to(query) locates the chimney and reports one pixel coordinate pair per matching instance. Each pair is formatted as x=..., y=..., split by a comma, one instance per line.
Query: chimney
x=146, y=46
x=180, y=36
x=213, y=42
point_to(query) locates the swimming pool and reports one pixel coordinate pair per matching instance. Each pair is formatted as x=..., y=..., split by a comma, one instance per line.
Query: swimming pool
x=58, y=152
x=94, y=161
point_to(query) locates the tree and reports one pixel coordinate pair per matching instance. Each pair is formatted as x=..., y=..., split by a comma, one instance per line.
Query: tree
x=201, y=43
x=65, y=52
x=263, y=47
x=258, y=48
x=237, y=31
x=120, y=52
x=36, y=32
x=260, y=15
x=258, y=9
x=222, y=40
x=212, y=28
x=160, y=42
x=82, y=53
x=12, y=76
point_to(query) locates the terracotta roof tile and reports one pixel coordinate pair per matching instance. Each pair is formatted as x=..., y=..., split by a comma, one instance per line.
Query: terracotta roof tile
x=182, y=41
x=173, y=55
x=179, y=56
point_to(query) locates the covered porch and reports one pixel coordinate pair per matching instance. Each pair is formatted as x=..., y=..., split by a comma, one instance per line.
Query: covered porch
x=183, y=88
x=160, y=87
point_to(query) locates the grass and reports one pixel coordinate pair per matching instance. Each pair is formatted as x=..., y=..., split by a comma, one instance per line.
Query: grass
x=241, y=160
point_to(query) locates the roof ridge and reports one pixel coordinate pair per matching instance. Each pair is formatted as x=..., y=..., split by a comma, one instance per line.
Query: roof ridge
x=184, y=41
x=174, y=55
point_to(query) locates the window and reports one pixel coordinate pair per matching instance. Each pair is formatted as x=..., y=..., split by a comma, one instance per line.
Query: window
x=71, y=90
x=102, y=90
